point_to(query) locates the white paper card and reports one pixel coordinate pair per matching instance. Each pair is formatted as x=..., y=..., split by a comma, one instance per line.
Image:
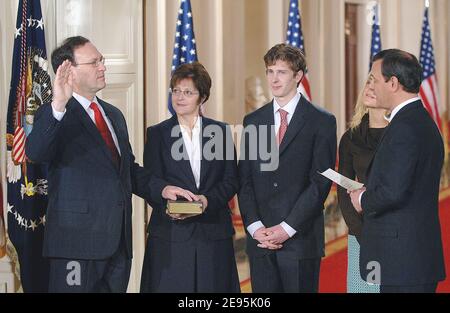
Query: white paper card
x=341, y=180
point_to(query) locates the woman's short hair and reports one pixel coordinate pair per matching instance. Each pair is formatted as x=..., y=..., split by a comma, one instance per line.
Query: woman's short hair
x=199, y=75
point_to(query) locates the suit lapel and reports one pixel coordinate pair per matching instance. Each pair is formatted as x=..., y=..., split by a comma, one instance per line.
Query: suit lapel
x=183, y=164
x=205, y=164
x=77, y=109
x=115, y=122
x=405, y=109
x=268, y=120
x=297, y=122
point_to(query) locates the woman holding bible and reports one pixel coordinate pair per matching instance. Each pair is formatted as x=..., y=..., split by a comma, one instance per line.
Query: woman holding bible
x=191, y=158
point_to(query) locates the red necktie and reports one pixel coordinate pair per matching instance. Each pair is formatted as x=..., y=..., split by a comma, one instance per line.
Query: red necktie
x=283, y=125
x=106, y=134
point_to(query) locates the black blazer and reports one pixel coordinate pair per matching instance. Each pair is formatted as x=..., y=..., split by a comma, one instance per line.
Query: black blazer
x=89, y=198
x=218, y=182
x=401, y=229
x=295, y=192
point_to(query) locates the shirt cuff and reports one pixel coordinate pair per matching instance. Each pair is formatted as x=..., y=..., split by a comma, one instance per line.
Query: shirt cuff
x=290, y=231
x=360, y=198
x=254, y=227
x=58, y=115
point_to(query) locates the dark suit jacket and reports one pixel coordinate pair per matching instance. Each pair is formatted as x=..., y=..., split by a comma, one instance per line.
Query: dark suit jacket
x=218, y=182
x=294, y=192
x=89, y=197
x=401, y=229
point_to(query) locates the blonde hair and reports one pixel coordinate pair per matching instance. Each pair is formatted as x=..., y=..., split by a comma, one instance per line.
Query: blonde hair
x=360, y=109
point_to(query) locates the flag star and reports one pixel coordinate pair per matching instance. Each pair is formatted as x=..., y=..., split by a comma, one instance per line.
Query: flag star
x=290, y=24
x=40, y=24
x=33, y=225
x=174, y=56
x=297, y=25
x=291, y=14
x=182, y=60
x=177, y=34
x=9, y=208
x=289, y=33
x=293, y=4
x=192, y=52
x=30, y=21
x=296, y=35
x=188, y=26
x=183, y=48
x=193, y=40
x=17, y=32
x=42, y=220
x=189, y=14
x=173, y=67
x=185, y=37
x=177, y=45
x=178, y=22
x=180, y=11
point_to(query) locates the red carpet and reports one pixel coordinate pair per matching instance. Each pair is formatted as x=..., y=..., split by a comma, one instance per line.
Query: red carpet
x=333, y=274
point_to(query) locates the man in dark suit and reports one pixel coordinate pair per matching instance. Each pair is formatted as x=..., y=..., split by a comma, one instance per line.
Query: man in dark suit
x=92, y=175
x=282, y=204
x=401, y=246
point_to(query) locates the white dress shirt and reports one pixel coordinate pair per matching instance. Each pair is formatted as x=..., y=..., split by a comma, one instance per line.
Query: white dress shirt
x=193, y=148
x=85, y=103
x=390, y=118
x=290, y=107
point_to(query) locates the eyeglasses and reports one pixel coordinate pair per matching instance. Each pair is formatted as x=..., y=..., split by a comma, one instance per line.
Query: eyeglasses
x=95, y=63
x=187, y=93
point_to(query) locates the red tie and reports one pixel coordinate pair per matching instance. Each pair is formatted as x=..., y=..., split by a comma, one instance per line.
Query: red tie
x=283, y=125
x=104, y=131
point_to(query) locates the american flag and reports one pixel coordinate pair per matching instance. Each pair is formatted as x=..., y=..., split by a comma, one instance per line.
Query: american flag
x=294, y=37
x=429, y=88
x=184, y=50
x=375, y=45
x=27, y=182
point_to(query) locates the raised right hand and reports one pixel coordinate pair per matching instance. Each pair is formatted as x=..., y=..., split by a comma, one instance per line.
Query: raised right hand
x=63, y=86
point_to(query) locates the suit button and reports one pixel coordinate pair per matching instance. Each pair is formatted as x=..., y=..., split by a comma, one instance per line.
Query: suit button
x=275, y=185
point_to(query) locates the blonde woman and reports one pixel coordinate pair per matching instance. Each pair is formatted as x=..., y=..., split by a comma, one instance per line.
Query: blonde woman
x=356, y=149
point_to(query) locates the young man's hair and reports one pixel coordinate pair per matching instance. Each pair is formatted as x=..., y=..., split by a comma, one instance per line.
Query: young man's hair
x=293, y=56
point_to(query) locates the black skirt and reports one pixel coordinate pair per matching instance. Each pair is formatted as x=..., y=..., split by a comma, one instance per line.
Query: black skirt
x=195, y=265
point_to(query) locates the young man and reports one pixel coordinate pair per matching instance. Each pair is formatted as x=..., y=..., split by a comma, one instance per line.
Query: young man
x=282, y=207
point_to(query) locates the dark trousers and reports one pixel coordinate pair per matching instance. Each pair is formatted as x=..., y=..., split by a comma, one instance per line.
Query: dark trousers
x=84, y=276
x=430, y=288
x=274, y=274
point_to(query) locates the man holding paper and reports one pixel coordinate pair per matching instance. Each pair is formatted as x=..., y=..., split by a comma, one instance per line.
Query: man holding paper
x=401, y=245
